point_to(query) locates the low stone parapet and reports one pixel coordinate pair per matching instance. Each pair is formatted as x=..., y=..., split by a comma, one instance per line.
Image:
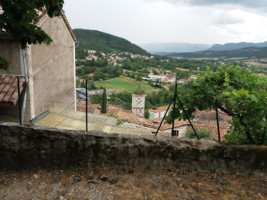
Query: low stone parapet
x=23, y=147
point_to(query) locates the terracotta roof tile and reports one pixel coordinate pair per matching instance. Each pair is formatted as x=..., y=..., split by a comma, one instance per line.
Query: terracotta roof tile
x=160, y=109
x=9, y=90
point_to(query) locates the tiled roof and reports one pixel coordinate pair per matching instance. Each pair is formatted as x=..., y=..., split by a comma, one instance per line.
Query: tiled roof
x=160, y=109
x=154, y=123
x=9, y=90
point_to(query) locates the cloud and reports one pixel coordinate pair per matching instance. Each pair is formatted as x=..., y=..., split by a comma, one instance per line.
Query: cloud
x=226, y=18
x=258, y=4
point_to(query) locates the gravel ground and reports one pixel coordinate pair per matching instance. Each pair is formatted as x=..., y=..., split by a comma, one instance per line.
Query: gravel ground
x=130, y=183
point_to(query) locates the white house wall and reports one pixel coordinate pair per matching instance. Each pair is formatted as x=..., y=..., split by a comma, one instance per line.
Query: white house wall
x=51, y=69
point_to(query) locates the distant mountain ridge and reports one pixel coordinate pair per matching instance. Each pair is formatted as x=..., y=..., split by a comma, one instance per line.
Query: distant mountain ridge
x=161, y=48
x=104, y=42
x=249, y=52
x=235, y=46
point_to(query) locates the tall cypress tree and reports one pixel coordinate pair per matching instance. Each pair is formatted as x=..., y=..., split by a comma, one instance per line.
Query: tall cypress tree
x=104, y=102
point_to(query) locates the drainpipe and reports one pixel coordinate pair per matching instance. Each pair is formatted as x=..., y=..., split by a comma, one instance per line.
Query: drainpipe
x=76, y=44
x=23, y=51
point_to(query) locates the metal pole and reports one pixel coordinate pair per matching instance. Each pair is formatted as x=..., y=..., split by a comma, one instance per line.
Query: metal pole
x=265, y=133
x=173, y=112
x=20, y=119
x=187, y=117
x=164, y=116
x=218, y=125
x=86, y=109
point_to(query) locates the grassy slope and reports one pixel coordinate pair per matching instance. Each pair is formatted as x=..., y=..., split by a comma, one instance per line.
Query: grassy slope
x=126, y=84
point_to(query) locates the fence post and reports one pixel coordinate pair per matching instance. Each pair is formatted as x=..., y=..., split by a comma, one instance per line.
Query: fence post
x=86, y=109
x=20, y=119
x=174, y=103
x=265, y=135
x=218, y=125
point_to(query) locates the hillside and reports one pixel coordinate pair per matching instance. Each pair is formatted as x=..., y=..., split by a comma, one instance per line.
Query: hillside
x=99, y=41
x=250, y=52
x=235, y=46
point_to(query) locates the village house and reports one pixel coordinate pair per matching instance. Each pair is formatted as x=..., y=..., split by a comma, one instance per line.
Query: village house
x=182, y=81
x=46, y=72
x=206, y=119
x=158, y=112
x=91, y=75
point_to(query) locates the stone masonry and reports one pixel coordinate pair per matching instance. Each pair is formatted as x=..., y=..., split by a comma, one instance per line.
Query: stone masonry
x=23, y=147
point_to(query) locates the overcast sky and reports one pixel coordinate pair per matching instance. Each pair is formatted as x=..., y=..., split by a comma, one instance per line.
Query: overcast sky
x=190, y=21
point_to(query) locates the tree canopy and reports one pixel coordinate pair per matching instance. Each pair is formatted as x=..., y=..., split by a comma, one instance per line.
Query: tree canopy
x=20, y=18
x=236, y=91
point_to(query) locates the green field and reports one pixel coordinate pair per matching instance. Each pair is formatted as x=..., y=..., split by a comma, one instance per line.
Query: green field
x=126, y=84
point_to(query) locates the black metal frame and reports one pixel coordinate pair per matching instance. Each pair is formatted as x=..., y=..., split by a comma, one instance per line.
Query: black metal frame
x=173, y=101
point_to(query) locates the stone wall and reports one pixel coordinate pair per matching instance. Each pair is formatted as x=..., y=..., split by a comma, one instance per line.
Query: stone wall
x=24, y=147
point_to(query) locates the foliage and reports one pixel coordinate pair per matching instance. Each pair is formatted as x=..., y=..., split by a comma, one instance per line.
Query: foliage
x=139, y=91
x=4, y=63
x=147, y=114
x=236, y=91
x=100, y=69
x=202, y=133
x=104, y=102
x=154, y=99
x=104, y=42
x=20, y=18
x=82, y=84
x=122, y=99
x=96, y=99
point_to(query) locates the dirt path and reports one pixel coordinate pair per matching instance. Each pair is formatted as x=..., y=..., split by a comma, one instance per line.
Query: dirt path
x=132, y=183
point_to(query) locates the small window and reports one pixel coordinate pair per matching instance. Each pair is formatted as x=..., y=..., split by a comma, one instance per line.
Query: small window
x=176, y=133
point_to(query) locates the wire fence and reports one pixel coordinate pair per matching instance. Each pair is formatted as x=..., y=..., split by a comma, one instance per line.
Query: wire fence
x=59, y=103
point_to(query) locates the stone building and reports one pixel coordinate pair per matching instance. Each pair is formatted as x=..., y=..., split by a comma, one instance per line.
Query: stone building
x=48, y=70
x=138, y=104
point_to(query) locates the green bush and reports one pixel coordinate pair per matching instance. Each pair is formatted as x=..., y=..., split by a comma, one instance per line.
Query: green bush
x=202, y=133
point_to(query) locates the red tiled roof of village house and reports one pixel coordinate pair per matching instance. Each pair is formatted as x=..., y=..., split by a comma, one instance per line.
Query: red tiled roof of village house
x=170, y=76
x=130, y=117
x=9, y=90
x=210, y=114
x=159, y=109
x=212, y=127
x=154, y=123
x=91, y=75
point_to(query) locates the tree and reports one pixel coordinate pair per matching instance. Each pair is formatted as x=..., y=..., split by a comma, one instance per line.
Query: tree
x=20, y=18
x=236, y=91
x=104, y=102
x=147, y=114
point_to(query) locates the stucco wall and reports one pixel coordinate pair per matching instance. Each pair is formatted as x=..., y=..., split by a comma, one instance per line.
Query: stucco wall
x=181, y=129
x=31, y=148
x=51, y=69
x=11, y=50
